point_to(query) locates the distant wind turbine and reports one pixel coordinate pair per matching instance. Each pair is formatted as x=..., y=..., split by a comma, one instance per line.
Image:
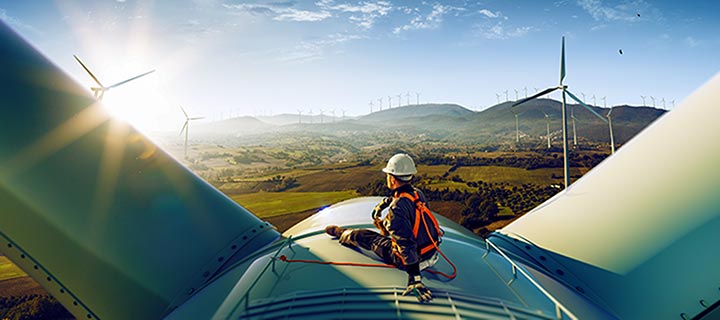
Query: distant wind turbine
x=371, y=106
x=407, y=98
x=186, y=127
x=311, y=116
x=653, y=100
x=417, y=97
x=663, y=103
x=643, y=97
x=516, y=94
x=547, y=125
x=299, y=115
x=343, y=114
x=389, y=102
x=673, y=103
x=321, y=115
x=612, y=139
x=506, y=96
x=399, y=99
x=380, y=103
x=333, y=115
x=594, y=101
x=99, y=91
x=497, y=95
x=565, y=91
x=525, y=92
x=604, y=99
x=583, y=95
x=517, y=126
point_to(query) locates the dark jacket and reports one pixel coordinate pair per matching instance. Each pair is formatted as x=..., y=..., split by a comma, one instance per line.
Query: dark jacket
x=399, y=223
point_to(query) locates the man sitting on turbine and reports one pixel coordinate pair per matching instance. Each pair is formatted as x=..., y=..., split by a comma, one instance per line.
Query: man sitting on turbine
x=409, y=232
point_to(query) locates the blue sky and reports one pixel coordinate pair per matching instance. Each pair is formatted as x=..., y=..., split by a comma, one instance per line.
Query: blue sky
x=271, y=57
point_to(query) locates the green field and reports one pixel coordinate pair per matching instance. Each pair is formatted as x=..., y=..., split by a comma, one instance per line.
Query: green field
x=270, y=204
x=432, y=171
x=516, y=176
x=9, y=270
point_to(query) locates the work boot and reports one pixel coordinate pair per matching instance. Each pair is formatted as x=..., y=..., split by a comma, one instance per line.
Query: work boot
x=334, y=231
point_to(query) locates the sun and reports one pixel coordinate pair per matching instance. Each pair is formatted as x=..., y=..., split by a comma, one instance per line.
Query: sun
x=140, y=103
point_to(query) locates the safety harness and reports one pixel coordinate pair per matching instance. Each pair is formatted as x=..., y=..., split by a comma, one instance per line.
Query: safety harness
x=421, y=211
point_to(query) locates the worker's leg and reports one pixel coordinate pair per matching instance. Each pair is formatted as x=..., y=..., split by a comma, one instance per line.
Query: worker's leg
x=360, y=238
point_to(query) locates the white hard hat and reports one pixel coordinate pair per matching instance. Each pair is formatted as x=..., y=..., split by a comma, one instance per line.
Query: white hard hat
x=400, y=165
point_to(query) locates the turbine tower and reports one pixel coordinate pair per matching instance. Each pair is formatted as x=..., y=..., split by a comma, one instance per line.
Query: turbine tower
x=565, y=91
x=321, y=116
x=653, y=100
x=663, y=103
x=407, y=98
x=343, y=114
x=594, y=101
x=311, y=116
x=525, y=92
x=380, y=103
x=99, y=91
x=389, y=102
x=506, y=96
x=612, y=139
x=497, y=95
x=399, y=99
x=583, y=95
x=517, y=127
x=299, y=115
x=186, y=127
x=572, y=117
x=417, y=97
x=643, y=97
x=516, y=94
x=333, y=115
x=604, y=99
x=547, y=125
x=371, y=106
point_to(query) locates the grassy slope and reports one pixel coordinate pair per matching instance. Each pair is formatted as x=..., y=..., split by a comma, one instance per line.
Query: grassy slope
x=270, y=204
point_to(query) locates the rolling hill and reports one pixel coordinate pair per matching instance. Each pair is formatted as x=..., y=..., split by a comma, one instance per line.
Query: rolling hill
x=449, y=123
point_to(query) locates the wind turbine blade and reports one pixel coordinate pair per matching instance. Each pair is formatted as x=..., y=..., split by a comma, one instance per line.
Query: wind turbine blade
x=586, y=106
x=542, y=93
x=562, y=61
x=131, y=79
x=185, y=113
x=184, y=126
x=196, y=118
x=88, y=71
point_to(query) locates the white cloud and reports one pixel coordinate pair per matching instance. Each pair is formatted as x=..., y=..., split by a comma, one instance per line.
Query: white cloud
x=364, y=14
x=691, y=42
x=489, y=13
x=627, y=11
x=431, y=21
x=17, y=23
x=308, y=51
x=280, y=11
x=302, y=15
x=499, y=32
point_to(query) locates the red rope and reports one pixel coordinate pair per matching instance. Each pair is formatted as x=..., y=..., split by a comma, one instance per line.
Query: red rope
x=336, y=263
x=454, y=274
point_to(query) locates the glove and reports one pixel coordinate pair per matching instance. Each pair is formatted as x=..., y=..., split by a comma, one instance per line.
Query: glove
x=416, y=286
x=377, y=211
